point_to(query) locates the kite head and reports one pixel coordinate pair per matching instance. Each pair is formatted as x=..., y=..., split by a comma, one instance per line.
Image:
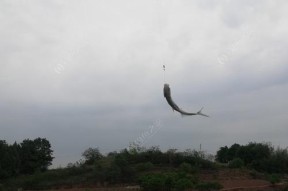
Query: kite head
x=166, y=90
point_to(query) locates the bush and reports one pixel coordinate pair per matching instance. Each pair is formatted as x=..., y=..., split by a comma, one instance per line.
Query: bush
x=176, y=181
x=186, y=167
x=236, y=163
x=205, y=186
x=144, y=166
x=153, y=182
x=182, y=184
x=274, y=179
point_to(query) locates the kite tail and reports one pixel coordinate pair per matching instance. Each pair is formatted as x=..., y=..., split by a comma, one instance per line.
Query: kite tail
x=200, y=113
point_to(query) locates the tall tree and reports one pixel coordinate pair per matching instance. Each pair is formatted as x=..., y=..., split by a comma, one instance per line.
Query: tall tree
x=36, y=155
x=9, y=159
x=91, y=155
x=222, y=154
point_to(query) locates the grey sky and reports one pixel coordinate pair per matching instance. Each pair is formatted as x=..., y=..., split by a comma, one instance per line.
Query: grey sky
x=89, y=73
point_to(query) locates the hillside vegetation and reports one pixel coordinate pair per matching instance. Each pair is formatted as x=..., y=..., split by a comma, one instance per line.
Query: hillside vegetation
x=150, y=168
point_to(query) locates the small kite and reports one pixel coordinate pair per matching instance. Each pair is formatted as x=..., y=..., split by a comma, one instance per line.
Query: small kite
x=167, y=95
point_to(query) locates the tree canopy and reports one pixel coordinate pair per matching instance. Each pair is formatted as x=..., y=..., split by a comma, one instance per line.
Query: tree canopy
x=24, y=158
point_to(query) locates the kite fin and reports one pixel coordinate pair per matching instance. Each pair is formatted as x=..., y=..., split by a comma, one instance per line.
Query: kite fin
x=200, y=113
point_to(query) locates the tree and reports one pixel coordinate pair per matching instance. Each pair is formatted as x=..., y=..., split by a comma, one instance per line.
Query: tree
x=255, y=153
x=9, y=159
x=232, y=151
x=92, y=155
x=222, y=155
x=35, y=155
x=3, y=159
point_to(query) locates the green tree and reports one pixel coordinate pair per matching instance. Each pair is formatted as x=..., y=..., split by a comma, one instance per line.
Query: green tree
x=222, y=155
x=35, y=155
x=9, y=159
x=232, y=151
x=92, y=155
x=278, y=162
x=3, y=159
x=254, y=154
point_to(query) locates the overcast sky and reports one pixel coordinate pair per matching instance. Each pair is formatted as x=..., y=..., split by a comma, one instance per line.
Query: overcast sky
x=89, y=73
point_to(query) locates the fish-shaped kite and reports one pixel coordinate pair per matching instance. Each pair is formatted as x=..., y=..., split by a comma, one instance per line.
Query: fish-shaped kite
x=167, y=95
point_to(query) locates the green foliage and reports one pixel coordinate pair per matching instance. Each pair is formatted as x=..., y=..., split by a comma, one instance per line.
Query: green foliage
x=274, y=179
x=259, y=156
x=91, y=155
x=179, y=169
x=27, y=157
x=222, y=155
x=144, y=166
x=51, y=179
x=154, y=182
x=183, y=184
x=185, y=167
x=278, y=162
x=36, y=155
x=167, y=181
x=9, y=160
x=251, y=153
x=206, y=186
x=114, y=169
x=113, y=174
x=236, y=163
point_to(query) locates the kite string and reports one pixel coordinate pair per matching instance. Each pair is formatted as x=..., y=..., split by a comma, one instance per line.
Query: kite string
x=164, y=74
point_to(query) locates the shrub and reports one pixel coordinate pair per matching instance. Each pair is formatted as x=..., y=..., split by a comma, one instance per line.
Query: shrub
x=144, y=166
x=186, y=167
x=182, y=184
x=153, y=182
x=236, y=163
x=205, y=186
x=274, y=179
x=169, y=181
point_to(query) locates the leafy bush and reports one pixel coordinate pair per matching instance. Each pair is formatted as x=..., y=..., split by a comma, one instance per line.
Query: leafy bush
x=205, y=186
x=182, y=184
x=168, y=181
x=236, y=163
x=274, y=179
x=144, y=166
x=153, y=182
x=185, y=167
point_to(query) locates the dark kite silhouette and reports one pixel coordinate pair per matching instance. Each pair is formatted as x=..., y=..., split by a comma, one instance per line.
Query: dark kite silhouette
x=167, y=95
